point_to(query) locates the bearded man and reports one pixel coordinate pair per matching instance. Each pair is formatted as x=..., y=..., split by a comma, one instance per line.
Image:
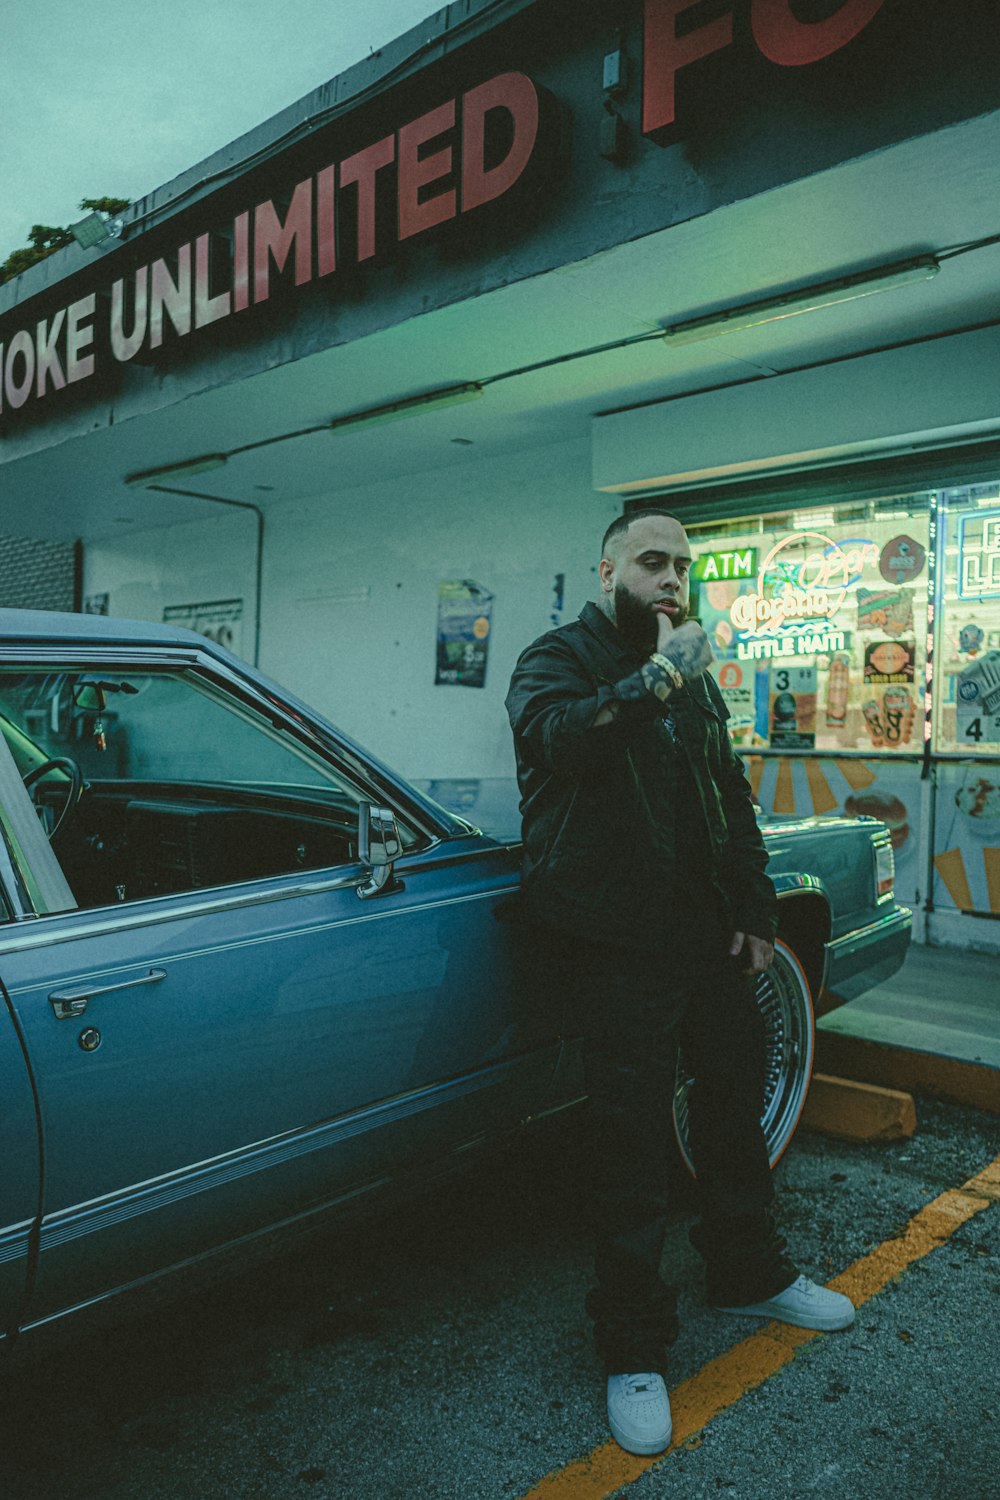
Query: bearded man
x=645, y=884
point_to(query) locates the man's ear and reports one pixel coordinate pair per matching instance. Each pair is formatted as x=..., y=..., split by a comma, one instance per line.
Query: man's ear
x=606, y=570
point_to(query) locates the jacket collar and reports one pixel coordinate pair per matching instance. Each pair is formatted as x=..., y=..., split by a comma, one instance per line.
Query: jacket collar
x=608, y=635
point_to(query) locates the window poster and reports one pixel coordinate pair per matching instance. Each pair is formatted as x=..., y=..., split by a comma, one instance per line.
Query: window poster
x=889, y=718
x=463, y=633
x=736, y=683
x=889, y=610
x=977, y=701
x=793, y=706
x=889, y=661
x=837, y=600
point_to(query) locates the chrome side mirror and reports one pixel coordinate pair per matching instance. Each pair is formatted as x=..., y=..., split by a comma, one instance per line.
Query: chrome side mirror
x=379, y=846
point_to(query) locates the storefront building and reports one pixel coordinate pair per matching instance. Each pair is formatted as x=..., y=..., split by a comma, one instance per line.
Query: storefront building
x=359, y=394
x=858, y=648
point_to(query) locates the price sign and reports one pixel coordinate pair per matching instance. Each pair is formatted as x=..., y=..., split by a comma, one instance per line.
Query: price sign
x=793, y=706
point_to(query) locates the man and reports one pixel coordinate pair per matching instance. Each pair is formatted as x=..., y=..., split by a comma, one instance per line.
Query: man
x=644, y=878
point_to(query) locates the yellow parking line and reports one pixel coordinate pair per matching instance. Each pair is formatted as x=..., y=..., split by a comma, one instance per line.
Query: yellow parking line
x=748, y=1364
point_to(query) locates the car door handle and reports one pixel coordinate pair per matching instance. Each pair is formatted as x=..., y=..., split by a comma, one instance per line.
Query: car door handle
x=70, y=1003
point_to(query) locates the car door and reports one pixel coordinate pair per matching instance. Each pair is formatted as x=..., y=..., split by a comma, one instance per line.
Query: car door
x=212, y=1062
x=19, y=1174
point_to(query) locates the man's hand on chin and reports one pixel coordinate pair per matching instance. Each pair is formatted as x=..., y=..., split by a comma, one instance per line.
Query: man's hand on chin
x=689, y=647
x=758, y=953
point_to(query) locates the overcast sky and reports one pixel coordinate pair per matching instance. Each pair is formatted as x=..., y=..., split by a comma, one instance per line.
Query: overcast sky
x=102, y=98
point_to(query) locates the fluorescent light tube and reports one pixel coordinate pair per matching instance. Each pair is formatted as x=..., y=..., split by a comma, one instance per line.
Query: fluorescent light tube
x=809, y=299
x=182, y=470
x=450, y=395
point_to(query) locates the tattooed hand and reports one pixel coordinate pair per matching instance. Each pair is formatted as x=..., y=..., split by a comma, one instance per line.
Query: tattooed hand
x=688, y=647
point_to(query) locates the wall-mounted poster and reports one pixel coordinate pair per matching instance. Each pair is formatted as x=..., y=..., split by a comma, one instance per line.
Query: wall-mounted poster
x=463, y=633
x=221, y=620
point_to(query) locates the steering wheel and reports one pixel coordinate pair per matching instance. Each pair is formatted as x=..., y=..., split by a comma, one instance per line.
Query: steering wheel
x=74, y=791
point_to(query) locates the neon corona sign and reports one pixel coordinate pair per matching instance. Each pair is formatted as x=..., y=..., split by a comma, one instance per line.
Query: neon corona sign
x=801, y=591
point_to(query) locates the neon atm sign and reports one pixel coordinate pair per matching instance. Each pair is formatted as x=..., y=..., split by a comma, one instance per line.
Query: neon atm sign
x=670, y=44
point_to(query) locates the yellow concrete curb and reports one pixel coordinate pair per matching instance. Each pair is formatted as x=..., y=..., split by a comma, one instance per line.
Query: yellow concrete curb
x=858, y=1111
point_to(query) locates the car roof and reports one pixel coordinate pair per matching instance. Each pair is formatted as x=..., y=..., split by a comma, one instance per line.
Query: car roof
x=57, y=625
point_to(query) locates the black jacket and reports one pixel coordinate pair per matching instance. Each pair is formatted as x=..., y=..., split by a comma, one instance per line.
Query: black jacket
x=593, y=864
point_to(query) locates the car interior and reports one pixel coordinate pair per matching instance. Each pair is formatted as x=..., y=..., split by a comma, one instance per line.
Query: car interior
x=158, y=782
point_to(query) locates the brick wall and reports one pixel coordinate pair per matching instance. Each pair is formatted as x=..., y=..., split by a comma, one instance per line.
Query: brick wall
x=36, y=575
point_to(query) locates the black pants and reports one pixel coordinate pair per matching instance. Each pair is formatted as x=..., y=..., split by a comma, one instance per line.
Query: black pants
x=634, y=1011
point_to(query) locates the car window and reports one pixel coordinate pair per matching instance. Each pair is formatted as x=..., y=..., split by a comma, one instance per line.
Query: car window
x=165, y=780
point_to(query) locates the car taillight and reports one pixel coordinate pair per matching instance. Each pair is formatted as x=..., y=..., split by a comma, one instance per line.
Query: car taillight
x=885, y=869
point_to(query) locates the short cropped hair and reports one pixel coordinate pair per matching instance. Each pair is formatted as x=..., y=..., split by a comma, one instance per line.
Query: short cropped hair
x=621, y=524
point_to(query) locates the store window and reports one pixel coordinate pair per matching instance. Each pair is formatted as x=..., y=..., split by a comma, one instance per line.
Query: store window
x=818, y=620
x=967, y=711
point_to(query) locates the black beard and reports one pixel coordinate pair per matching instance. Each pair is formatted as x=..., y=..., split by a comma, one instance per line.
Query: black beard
x=637, y=621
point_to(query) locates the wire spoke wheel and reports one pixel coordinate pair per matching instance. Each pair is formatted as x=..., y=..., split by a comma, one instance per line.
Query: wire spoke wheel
x=784, y=1001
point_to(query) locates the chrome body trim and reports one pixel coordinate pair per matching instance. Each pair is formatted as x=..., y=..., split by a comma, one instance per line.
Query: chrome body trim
x=898, y=920
x=890, y=933
x=15, y=1240
x=37, y=937
x=203, y=1256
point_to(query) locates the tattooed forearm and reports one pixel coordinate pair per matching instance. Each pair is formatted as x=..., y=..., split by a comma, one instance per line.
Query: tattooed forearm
x=657, y=680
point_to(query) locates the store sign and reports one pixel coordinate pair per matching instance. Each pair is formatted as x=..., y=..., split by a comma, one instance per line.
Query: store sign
x=712, y=567
x=453, y=160
x=979, y=556
x=674, y=39
x=809, y=643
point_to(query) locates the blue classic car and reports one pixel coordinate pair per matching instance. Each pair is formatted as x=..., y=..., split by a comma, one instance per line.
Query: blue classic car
x=249, y=976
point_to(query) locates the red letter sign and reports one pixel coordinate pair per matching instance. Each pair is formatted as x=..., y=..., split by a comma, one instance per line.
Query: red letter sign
x=361, y=168
x=791, y=43
x=664, y=54
x=518, y=96
x=416, y=172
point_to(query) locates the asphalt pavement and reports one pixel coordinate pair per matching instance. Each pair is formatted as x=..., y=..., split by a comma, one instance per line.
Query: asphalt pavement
x=440, y=1352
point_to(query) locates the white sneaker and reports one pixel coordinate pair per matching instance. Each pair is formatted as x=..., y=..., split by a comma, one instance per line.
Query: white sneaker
x=805, y=1304
x=639, y=1413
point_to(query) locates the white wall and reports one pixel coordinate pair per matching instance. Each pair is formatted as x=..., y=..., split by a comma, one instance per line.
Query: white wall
x=350, y=593
x=147, y=571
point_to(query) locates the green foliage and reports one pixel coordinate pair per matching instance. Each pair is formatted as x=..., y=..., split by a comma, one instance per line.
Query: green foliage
x=109, y=206
x=45, y=239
